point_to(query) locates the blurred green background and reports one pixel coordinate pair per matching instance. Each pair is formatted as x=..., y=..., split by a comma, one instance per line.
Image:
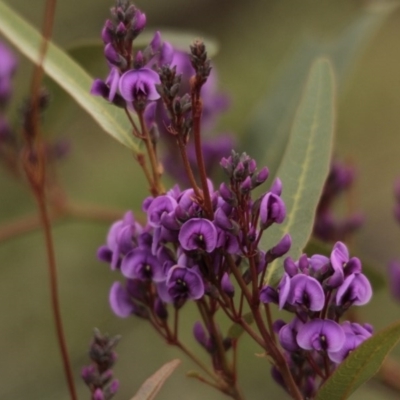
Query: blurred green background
x=258, y=40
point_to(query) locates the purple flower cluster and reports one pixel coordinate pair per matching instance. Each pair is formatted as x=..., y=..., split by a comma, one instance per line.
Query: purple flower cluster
x=98, y=376
x=182, y=253
x=319, y=290
x=327, y=226
x=133, y=82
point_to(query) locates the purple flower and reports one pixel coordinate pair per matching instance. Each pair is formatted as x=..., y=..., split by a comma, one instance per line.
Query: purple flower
x=394, y=279
x=198, y=233
x=119, y=240
x=306, y=291
x=320, y=335
x=158, y=207
x=139, y=85
x=141, y=264
x=272, y=210
x=355, y=290
x=120, y=301
x=182, y=284
x=288, y=334
x=339, y=257
x=355, y=335
x=227, y=285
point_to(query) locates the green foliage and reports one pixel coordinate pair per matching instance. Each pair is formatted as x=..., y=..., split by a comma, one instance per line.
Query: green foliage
x=269, y=128
x=361, y=365
x=377, y=280
x=305, y=165
x=152, y=385
x=68, y=74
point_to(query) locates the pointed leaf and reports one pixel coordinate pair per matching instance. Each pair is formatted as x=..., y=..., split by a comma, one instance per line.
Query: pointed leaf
x=152, y=385
x=68, y=74
x=361, y=365
x=305, y=165
x=269, y=127
x=315, y=246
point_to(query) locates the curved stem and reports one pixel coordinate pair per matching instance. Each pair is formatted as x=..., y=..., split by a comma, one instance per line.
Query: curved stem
x=51, y=259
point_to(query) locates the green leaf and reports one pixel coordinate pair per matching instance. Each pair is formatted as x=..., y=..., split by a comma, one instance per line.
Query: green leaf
x=305, y=165
x=361, y=365
x=315, y=246
x=236, y=330
x=269, y=126
x=152, y=385
x=68, y=74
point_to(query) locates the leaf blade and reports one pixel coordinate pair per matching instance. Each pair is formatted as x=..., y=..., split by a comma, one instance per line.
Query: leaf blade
x=76, y=82
x=361, y=365
x=152, y=385
x=305, y=164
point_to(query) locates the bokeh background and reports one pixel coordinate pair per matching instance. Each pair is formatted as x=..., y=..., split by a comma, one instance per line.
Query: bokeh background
x=260, y=41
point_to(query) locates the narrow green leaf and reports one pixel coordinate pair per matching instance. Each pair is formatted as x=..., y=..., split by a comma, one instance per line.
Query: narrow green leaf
x=269, y=126
x=236, y=330
x=361, y=365
x=305, y=165
x=68, y=74
x=315, y=246
x=152, y=385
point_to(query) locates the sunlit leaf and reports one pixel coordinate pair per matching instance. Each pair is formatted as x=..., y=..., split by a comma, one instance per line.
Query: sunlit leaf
x=152, y=385
x=236, y=330
x=361, y=365
x=305, y=165
x=68, y=74
x=377, y=280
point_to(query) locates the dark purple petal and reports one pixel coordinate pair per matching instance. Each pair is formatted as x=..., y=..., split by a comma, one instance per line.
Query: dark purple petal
x=104, y=254
x=290, y=266
x=227, y=286
x=288, y=334
x=355, y=290
x=276, y=187
x=159, y=206
x=284, y=289
x=200, y=334
x=272, y=210
x=141, y=264
x=198, y=233
x=351, y=342
x=184, y=283
x=99, y=88
x=141, y=82
x=319, y=263
x=306, y=291
x=282, y=247
x=269, y=295
x=120, y=301
x=320, y=335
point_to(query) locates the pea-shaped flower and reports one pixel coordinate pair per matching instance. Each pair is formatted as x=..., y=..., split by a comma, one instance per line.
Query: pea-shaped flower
x=182, y=284
x=198, y=234
x=355, y=289
x=141, y=264
x=139, y=85
x=307, y=292
x=272, y=210
x=320, y=334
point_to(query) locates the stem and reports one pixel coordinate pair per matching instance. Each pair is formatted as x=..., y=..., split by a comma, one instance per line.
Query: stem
x=197, y=108
x=45, y=221
x=269, y=320
x=31, y=223
x=158, y=187
x=188, y=168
